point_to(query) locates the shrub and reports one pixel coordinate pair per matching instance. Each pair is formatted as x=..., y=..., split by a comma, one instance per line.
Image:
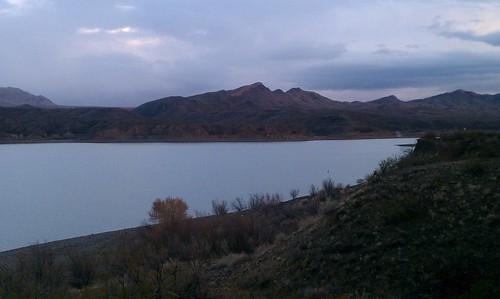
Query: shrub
x=238, y=204
x=256, y=201
x=82, y=270
x=330, y=191
x=39, y=273
x=387, y=164
x=313, y=190
x=474, y=168
x=219, y=208
x=329, y=187
x=232, y=259
x=294, y=193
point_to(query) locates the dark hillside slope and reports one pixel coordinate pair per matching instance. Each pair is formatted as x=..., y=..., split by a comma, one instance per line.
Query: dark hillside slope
x=427, y=226
x=38, y=124
x=10, y=97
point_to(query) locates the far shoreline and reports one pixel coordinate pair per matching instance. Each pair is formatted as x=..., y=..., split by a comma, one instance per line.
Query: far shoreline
x=209, y=140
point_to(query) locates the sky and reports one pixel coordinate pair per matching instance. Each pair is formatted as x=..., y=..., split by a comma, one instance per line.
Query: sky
x=124, y=53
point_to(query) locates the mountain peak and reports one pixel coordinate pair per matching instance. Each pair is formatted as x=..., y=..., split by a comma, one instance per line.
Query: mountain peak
x=295, y=90
x=462, y=92
x=387, y=100
x=256, y=87
x=455, y=96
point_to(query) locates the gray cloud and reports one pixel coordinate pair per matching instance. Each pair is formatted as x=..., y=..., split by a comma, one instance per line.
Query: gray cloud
x=492, y=38
x=308, y=52
x=452, y=70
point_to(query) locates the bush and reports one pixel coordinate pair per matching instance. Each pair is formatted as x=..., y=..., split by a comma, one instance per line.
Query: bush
x=330, y=191
x=82, y=270
x=387, y=164
x=313, y=190
x=256, y=201
x=272, y=199
x=294, y=193
x=38, y=273
x=238, y=204
x=474, y=168
x=328, y=187
x=219, y=208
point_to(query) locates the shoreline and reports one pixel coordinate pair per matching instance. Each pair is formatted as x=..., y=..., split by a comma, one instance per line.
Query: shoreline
x=207, y=140
x=109, y=236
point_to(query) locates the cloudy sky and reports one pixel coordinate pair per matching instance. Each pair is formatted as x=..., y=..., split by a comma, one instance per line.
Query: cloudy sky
x=123, y=53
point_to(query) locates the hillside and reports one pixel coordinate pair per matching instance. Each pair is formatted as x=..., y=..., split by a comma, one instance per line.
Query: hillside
x=252, y=112
x=11, y=97
x=424, y=226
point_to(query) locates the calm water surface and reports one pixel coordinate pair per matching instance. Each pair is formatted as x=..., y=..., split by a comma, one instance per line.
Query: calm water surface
x=55, y=191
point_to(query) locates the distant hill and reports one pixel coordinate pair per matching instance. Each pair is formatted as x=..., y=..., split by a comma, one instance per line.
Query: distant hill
x=251, y=112
x=11, y=97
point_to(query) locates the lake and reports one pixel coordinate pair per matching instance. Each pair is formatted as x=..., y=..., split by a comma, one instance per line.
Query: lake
x=61, y=190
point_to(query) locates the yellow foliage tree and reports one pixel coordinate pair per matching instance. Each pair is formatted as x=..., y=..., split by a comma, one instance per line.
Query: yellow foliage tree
x=169, y=211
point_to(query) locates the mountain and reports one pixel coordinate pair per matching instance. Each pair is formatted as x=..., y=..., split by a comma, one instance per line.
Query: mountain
x=459, y=102
x=250, y=98
x=11, y=97
x=251, y=112
x=256, y=110
x=257, y=98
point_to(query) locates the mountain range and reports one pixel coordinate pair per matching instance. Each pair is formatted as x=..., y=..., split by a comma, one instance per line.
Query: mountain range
x=248, y=112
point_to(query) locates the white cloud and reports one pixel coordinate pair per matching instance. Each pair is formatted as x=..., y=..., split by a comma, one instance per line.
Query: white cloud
x=147, y=47
x=17, y=3
x=144, y=42
x=85, y=30
x=95, y=30
x=126, y=29
x=16, y=7
x=124, y=7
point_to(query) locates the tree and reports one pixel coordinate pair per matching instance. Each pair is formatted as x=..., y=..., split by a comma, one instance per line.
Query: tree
x=329, y=187
x=239, y=204
x=313, y=191
x=219, y=208
x=294, y=193
x=170, y=211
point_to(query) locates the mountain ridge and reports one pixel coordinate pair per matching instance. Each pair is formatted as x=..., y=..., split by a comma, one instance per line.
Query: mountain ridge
x=12, y=96
x=253, y=112
x=313, y=100
x=251, y=97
